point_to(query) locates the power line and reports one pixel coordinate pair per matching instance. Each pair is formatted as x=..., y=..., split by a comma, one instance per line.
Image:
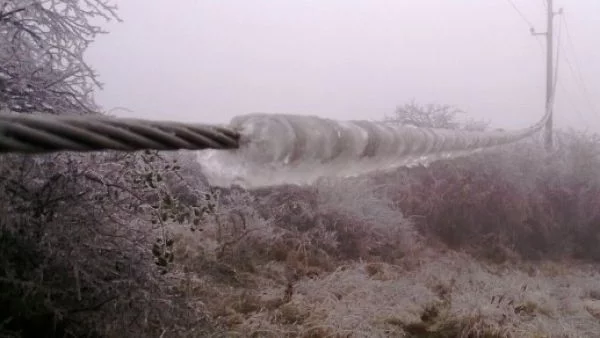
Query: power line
x=559, y=49
x=578, y=74
x=566, y=93
x=572, y=103
x=44, y=133
x=527, y=21
x=553, y=73
x=576, y=70
x=48, y=133
x=521, y=14
x=556, y=69
x=551, y=70
x=540, y=43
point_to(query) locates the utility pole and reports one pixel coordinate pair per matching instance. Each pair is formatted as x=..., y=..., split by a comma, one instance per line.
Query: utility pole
x=548, y=142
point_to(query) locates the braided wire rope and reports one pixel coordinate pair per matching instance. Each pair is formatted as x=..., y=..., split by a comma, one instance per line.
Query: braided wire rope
x=23, y=133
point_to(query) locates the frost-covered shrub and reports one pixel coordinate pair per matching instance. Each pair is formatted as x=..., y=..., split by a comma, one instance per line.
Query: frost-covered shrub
x=515, y=199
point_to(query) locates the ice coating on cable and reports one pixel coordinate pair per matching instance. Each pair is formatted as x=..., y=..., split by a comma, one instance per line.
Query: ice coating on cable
x=294, y=149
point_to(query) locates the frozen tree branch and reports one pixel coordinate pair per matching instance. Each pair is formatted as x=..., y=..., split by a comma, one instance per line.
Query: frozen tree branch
x=42, y=43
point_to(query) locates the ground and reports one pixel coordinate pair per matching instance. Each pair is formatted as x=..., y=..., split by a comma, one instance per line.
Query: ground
x=427, y=293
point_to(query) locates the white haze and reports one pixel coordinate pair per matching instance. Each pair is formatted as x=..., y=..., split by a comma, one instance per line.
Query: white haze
x=208, y=61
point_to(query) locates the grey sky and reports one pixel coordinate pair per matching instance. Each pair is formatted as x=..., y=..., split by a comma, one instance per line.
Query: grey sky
x=207, y=61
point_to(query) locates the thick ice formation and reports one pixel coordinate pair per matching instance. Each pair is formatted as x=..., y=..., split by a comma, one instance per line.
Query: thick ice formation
x=277, y=149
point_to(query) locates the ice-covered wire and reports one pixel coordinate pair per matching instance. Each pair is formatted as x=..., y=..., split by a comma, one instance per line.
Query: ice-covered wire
x=291, y=149
x=22, y=133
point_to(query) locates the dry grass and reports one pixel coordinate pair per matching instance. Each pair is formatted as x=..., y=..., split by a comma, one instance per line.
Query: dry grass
x=431, y=295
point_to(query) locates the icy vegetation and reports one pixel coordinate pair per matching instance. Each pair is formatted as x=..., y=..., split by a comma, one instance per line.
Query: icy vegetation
x=500, y=243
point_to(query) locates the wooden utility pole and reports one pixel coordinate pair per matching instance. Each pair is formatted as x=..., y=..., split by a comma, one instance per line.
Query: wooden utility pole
x=548, y=133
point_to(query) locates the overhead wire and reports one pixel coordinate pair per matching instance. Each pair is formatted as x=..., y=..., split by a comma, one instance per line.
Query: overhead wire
x=556, y=69
x=48, y=133
x=514, y=6
x=528, y=22
x=576, y=68
x=577, y=74
x=559, y=47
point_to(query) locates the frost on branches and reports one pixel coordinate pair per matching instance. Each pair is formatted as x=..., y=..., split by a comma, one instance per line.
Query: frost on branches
x=42, y=43
x=77, y=230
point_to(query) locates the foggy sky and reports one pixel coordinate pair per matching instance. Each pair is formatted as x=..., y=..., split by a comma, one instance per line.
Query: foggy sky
x=207, y=61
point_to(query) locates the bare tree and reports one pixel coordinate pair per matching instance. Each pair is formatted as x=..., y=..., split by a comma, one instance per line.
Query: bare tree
x=42, y=43
x=432, y=116
x=79, y=253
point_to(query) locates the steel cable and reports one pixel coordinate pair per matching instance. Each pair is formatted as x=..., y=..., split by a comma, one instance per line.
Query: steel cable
x=24, y=133
x=21, y=133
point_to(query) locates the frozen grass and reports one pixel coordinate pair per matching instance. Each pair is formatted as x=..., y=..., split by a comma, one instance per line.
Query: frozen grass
x=498, y=245
x=429, y=294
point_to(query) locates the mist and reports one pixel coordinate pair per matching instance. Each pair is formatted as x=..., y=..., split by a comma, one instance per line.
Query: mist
x=409, y=222
x=208, y=61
